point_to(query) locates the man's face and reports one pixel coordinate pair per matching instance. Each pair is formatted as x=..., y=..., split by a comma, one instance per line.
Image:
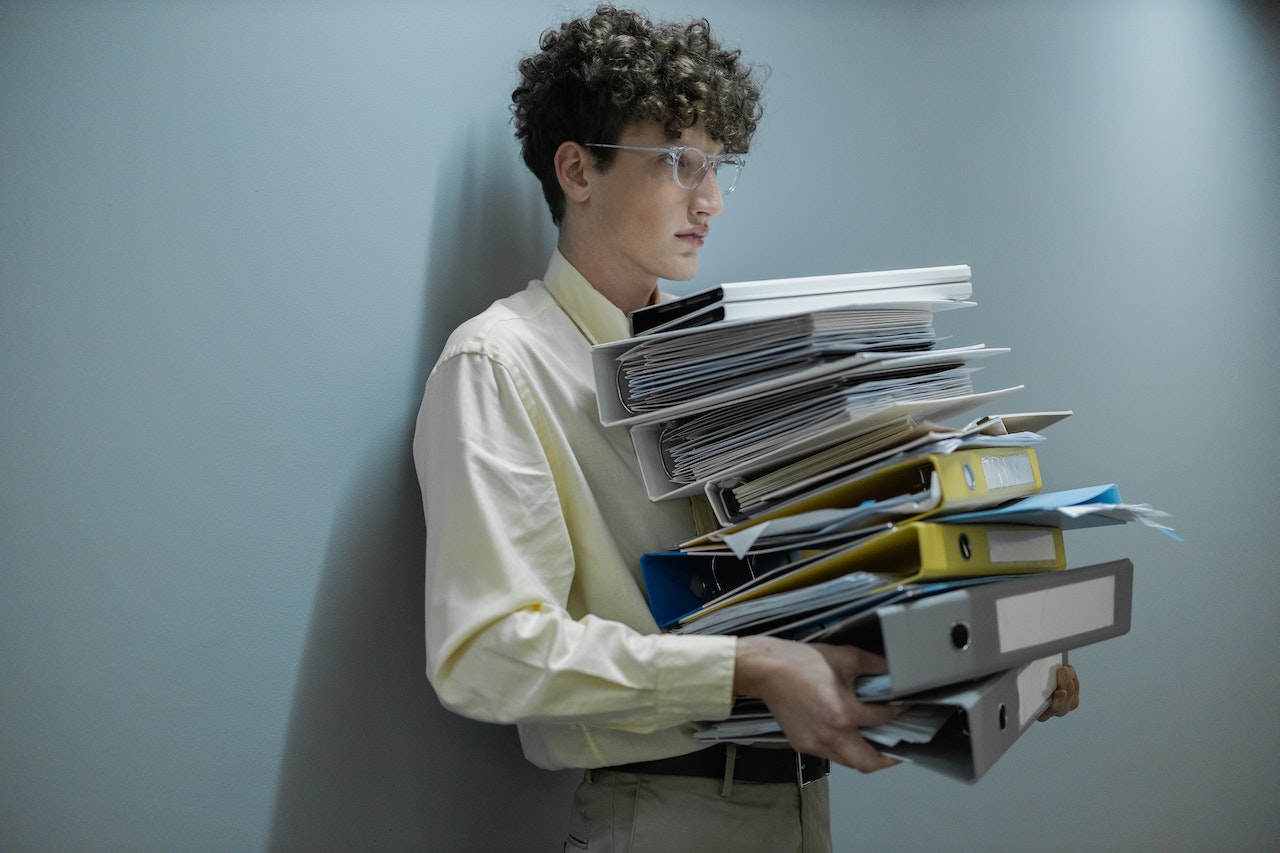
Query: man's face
x=650, y=226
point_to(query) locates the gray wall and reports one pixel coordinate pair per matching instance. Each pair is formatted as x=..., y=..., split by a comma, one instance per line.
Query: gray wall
x=232, y=239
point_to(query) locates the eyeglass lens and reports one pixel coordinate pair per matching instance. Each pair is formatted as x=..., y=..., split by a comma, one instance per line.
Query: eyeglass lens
x=692, y=167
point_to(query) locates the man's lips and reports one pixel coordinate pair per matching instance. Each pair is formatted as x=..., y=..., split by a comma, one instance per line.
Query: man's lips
x=694, y=235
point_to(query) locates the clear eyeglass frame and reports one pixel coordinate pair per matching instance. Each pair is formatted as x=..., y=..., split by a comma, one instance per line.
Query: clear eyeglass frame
x=690, y=165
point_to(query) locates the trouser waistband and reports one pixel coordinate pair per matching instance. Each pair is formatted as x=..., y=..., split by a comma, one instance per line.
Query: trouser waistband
x=749, y=764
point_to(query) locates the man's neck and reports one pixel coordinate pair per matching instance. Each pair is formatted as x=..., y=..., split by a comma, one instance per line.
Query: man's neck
x=627, y=292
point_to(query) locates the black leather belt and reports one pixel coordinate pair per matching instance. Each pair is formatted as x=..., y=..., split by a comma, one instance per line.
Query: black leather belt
x=750, y=764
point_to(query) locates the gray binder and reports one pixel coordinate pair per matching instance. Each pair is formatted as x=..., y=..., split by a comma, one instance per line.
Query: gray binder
x=975, y=631
x=959, y=731
x=990, y=714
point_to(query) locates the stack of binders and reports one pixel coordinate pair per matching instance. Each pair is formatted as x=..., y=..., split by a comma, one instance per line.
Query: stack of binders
x=811, y=415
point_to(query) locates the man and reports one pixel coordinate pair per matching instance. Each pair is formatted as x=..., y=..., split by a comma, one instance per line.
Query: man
x=537, y=516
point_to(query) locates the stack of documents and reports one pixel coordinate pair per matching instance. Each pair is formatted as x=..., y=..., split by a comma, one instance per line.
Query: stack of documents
x=753, y=300
x=710, y=400
x=666, y=370
x=811, y=414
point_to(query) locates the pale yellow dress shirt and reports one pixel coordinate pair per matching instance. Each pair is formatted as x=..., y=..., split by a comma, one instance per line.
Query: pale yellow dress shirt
x=536, y=520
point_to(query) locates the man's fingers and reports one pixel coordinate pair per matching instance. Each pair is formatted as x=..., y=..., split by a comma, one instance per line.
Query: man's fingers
x=863, y=757
x=1058, y=706
x=876, y=713
x=858, y=753
x=851, y=662
x=1067, y=697
x=1068, y=674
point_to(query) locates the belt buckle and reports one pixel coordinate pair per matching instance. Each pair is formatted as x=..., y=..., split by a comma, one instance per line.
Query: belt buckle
x=819, y=768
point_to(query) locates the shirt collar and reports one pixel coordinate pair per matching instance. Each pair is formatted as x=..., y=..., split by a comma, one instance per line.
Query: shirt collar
x=599, y=319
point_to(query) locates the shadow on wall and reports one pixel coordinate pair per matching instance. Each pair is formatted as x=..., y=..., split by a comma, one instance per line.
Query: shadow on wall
x=372, y=761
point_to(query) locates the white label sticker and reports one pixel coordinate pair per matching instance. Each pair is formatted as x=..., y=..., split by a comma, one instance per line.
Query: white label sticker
x=1036, y=683
x=1045, y=616
x=1021, y=546
x=1003, y=472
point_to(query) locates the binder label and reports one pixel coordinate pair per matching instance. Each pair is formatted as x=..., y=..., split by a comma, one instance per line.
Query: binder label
x=1050, y=615
x=1036, y=683
x=1033, y=545
x=1005, y=472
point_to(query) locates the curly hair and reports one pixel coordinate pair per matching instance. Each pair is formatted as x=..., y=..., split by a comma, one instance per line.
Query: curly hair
x=595, y=76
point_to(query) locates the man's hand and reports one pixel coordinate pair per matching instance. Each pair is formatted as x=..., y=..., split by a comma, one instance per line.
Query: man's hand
x=809, y=689
x=1067, y=697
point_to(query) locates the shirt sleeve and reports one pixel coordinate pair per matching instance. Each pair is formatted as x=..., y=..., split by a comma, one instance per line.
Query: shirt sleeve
x=501, y=643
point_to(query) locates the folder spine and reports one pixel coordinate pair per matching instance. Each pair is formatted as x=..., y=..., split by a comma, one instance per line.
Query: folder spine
x=956, y=636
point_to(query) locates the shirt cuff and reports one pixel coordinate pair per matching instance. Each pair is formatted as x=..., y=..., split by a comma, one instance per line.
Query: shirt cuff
x=696, y=676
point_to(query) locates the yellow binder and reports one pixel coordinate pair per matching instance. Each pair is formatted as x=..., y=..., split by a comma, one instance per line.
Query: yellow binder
x=970, y=478
x=914, y=552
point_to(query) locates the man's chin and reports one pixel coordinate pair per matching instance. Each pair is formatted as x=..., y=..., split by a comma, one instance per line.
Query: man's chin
x=683, y=271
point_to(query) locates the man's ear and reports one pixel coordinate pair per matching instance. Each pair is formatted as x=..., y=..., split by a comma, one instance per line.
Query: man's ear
x=572, y=166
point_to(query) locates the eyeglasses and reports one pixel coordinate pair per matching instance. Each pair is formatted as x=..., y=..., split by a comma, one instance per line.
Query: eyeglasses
x=690, y=165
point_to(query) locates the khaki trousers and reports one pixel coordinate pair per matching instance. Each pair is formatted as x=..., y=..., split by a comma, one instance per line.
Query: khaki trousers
x=616, y=812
